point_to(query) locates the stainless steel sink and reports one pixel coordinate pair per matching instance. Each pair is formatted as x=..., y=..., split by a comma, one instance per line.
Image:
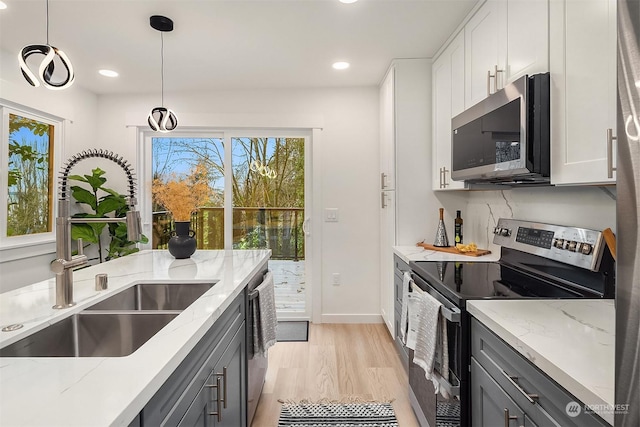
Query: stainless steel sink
x=151, y=296
x=91, y=334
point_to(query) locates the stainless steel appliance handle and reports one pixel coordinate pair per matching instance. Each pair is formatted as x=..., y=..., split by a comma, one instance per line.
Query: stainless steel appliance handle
x=532, y=398
x=451, y=314
x=610, y=139
x=453, y=391
x=444, y=177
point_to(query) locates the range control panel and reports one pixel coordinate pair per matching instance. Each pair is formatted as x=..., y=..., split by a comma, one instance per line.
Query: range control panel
x=572, y=245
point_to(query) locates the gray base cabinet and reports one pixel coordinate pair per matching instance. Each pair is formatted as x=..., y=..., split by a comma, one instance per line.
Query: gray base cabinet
x=220, y=402
x=191, y=393
x=508, y=390
x=399, y=267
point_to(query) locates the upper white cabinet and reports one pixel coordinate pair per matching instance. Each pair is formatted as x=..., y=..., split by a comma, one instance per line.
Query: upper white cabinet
x=504, y=40
x=448, y=101
x=583, y=91
x=482, y=53
x=387, y=133
x=527, y=41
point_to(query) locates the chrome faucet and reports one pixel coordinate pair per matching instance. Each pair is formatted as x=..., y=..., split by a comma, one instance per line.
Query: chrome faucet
x=64, y=263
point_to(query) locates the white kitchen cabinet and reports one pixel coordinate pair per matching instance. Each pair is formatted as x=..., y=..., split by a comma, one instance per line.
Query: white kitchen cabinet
x=410, y=208
x=387, y=137
x=527, y=38
x=482, y=53
x=504, y=40
x=448, y=101
x=387, y=241
x=583, y=91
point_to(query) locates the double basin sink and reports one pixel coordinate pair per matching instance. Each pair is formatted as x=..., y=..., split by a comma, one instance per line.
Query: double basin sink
x=114, y=327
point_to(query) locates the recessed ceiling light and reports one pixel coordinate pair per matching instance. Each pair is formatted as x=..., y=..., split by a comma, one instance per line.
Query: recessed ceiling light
x=3, y=5
x=108, y=73
x=348, y=1
x=341, y=65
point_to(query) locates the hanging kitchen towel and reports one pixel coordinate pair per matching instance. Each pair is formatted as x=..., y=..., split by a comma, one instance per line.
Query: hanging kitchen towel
x=431, y=348
x=264, y=316
x=406, y=280
x=414, y=317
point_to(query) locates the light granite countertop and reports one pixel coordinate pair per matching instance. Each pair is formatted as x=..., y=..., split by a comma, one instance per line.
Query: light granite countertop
x=572, y=341
x=104, y=391
x=418, y=253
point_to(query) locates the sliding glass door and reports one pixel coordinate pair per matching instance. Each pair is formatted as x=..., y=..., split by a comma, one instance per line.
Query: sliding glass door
x=260, y=202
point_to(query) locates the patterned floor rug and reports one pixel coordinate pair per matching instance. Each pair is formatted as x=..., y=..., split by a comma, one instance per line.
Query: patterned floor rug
x=338, y=415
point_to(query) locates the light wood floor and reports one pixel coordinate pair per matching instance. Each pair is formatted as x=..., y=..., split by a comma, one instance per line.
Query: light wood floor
x=339, y=362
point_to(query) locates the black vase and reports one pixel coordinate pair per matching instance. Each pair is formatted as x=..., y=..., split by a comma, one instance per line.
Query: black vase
x=182, y=243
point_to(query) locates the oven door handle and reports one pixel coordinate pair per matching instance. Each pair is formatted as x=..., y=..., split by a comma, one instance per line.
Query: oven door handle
x=451, y=314
x=452, y=390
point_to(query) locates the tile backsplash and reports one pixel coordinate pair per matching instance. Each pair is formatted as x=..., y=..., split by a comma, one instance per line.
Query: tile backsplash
x=588, y=207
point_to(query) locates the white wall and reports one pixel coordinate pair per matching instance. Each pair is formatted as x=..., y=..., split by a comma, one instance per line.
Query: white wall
x=74, y=104
x=348, y=173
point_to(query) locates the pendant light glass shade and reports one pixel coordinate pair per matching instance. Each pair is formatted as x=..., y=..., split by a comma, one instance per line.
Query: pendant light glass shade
x=47, y=65
x=162, y=119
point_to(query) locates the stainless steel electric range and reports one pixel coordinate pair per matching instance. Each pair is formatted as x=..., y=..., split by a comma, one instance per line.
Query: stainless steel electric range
x=537, y=261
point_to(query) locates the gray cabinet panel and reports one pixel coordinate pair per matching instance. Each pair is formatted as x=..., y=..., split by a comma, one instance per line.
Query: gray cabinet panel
x=198, y=413
x=169, y=404
x=221, y=402
x=491, y=405
x=541, y=398
x=233, y=385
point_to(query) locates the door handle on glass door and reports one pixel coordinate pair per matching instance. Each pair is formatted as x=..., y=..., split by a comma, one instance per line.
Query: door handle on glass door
x=305, y=229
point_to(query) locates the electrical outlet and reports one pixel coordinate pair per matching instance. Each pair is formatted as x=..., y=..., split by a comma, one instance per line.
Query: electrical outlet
x=336, y=279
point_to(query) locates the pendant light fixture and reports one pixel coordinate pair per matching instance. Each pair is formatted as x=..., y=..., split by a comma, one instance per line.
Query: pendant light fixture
x=47, y=65
x=160, y=118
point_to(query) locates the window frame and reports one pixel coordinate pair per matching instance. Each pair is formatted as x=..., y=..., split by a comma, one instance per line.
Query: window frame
x=46, y=240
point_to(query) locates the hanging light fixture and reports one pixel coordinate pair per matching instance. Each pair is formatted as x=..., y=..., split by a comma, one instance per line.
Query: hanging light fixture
x=47, y=66
x=160, y=118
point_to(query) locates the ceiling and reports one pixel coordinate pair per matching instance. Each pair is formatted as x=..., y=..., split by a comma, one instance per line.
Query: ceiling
x=232, y=44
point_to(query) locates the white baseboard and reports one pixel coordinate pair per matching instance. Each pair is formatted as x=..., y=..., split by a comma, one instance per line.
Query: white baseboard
x=351, y=318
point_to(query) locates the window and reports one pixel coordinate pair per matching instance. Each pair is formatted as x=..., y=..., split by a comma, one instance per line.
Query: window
x=28, y=182
x=177, y=158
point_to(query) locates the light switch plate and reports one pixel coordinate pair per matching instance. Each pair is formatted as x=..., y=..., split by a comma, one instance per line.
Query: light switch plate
x=331, y=215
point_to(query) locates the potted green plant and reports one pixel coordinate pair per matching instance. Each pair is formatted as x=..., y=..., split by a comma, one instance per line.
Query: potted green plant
x=103, y=202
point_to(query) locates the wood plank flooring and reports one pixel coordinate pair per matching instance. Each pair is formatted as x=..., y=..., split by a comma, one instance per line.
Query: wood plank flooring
x=338, y=363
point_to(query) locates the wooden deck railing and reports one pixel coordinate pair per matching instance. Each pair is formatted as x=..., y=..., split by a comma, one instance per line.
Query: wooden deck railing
x=278, y=229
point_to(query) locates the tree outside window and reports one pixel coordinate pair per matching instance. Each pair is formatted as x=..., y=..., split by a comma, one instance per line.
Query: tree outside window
x=30, y=176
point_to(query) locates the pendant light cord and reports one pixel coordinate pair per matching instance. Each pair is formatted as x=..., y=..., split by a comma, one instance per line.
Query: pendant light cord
x=161, y=69
x=47, y=22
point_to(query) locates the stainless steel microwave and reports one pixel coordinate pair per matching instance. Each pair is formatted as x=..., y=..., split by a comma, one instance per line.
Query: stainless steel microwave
x=504, y=139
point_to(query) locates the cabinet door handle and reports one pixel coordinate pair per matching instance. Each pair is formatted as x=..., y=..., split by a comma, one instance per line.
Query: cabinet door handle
x=508, y=418
x=224, y=394
x=382, y=200
x=445, y=183
x=218, y=412
x=493, y=76
x=610, y=139
x=383, y=180
x=532, y=398
x=496, y=71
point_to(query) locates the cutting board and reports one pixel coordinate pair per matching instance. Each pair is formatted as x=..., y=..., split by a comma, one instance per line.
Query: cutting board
x=453, y=250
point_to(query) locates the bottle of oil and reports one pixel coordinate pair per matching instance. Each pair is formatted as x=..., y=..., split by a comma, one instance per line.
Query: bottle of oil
x=457, y=226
